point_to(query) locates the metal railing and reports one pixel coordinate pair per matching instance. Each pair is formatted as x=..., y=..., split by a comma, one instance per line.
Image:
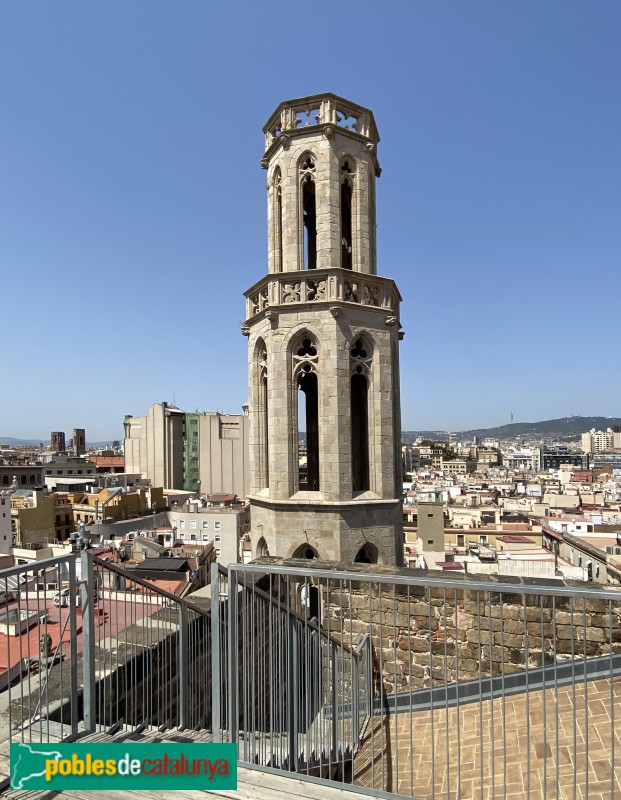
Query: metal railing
x=298, y=691
x=471, y=688
x=419, y=686
x=148, y=656
x=40, y=630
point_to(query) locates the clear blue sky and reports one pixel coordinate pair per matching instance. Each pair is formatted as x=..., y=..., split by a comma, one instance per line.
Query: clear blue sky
x=132, y=203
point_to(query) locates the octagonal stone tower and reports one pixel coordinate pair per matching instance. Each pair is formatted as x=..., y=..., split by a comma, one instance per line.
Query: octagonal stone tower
x=323, y=328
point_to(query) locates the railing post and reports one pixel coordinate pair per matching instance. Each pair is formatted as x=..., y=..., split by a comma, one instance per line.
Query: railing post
x=355, y=707
x=233, y=656
x=88, y=637
x=334, y=698
x=73, y=645
x=183, y=660
x=292, y=703
x=216, y=681
x=370, y=678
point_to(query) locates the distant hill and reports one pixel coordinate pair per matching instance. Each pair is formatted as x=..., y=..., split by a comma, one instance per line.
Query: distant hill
x=565, y=427
x=12, y=442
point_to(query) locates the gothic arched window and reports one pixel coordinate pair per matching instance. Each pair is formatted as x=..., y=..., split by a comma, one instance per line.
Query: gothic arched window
x=309, y=211
x=347, y=193
x=277, y=211
x=360, y=356
x=262, y=413
x=305, y=360
x=305, y=551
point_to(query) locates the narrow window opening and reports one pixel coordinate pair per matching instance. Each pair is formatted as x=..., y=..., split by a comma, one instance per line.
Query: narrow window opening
x=278, y=220
x=308, y=413
x=305, y=358
x=279, y=265
x=263, y=417
x=346, y=217
x=310, y=225
x=266, y=438
x=360, y=359
x=359, y=432
x=309, y=213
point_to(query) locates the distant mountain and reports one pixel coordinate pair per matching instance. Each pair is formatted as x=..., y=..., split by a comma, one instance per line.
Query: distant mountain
x=556, y=428
x=12, y=442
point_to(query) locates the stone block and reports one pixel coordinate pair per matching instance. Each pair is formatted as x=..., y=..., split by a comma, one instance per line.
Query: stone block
x=509, y=640
x=415, y=644
x=475, y=636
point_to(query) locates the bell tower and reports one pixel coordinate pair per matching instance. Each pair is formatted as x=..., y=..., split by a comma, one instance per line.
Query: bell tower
x=324, y=331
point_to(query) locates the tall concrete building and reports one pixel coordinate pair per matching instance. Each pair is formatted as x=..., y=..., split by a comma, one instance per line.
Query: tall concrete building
x=323, y=332
x=206, y=451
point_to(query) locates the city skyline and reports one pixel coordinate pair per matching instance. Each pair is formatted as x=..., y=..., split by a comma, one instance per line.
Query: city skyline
x=132, y=215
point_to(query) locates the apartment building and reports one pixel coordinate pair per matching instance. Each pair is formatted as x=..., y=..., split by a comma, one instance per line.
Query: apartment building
x=220, y=520
x=601, y=441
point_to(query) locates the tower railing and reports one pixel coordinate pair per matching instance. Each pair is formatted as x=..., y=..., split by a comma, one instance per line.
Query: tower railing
x=395, y=681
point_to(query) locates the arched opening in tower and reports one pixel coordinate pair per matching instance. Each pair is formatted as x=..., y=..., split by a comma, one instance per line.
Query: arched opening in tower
x=305, y=551
x=279, y=266
x=359, y=433
x=309, y=212
x=346, y=226
x=265, y=462
x=367, y=554
x=308, y=414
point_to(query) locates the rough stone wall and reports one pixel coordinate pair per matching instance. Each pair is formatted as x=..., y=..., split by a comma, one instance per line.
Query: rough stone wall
x=428, y=636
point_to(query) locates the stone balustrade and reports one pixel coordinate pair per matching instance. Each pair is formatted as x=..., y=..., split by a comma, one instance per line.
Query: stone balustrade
x=323, y=109
x=322, y=286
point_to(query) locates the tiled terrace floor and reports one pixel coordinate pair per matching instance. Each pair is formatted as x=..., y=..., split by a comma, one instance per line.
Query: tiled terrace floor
x=503, y=749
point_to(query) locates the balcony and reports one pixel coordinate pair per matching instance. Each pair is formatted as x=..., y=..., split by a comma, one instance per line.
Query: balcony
x=401, y=682
x=332, y=286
